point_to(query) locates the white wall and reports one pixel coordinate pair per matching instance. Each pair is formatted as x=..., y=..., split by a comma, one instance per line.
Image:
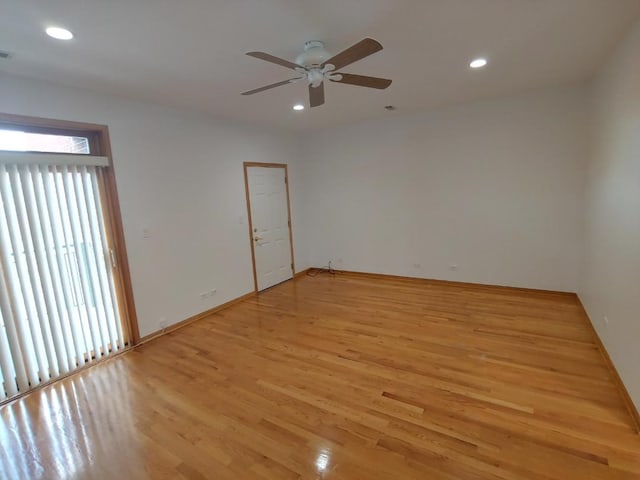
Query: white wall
x=611, y=279
x=180, y=174
x=493, y=187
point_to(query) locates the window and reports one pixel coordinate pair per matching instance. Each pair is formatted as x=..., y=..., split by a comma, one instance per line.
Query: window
x=64, y=299
x=20, y=141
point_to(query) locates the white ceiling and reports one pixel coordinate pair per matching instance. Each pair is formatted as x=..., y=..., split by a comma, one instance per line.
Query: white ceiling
x=190, y=53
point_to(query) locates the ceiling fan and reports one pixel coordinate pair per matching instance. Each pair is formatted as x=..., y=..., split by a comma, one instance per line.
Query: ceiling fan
x=316, y=65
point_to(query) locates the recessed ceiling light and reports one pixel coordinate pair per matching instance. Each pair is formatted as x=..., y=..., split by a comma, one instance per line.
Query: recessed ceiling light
x=298, y=107
x=478, y=63
x=59, y=33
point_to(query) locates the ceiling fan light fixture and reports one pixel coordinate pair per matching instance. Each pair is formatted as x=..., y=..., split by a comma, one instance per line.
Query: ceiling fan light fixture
x=315, y=77
x=298, y=107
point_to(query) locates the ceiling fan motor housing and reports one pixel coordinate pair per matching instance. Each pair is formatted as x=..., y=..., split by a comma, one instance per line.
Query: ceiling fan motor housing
x=314, y=54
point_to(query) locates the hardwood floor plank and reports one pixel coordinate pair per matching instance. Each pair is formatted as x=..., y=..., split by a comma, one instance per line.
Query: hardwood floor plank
x=342, y=377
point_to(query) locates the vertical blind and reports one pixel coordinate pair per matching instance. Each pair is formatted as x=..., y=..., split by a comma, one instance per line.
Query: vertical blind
x=58, y=304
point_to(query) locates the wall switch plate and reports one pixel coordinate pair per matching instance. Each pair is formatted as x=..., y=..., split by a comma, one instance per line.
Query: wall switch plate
x=453, y=267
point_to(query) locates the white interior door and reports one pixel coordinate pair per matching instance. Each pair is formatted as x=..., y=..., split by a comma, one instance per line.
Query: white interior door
x=270, y=225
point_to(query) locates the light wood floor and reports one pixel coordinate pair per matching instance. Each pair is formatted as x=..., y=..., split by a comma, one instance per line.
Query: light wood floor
x=341, y=378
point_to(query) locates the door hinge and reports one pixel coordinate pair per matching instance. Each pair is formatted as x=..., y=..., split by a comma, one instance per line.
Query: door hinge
x=289, y=223
x=114, y=258
x=286, y=181
x=292, y=267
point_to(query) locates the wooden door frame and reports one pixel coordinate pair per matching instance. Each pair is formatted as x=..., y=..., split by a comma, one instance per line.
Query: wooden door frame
x=100, y=145
x=245, y=166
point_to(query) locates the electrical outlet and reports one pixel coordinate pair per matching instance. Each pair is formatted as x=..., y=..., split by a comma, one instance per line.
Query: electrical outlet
x=162, y=323
x=203, y=295
x=606, y=320
x=453, y=267
x=417, y=265
x=212, y=292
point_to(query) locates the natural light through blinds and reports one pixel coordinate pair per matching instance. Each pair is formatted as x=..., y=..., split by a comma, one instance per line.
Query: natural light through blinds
x=58, y=304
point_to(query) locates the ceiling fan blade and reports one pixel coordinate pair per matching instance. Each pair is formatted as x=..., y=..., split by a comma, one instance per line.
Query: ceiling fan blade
x=360, y=50
x=316, y=95
x=269, y=87
x=278, y=61
x=363, y=81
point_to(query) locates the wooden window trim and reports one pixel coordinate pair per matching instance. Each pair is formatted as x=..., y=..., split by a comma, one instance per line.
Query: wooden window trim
x=99, y=144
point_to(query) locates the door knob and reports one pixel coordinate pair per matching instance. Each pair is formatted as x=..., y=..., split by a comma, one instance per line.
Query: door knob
x=255, y=239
